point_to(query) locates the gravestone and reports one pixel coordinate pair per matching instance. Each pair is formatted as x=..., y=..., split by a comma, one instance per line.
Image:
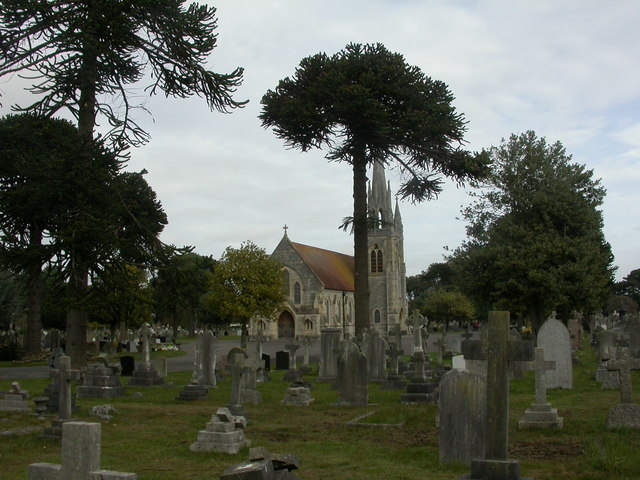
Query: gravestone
x=223, y=433
x=417, y=320
x=556, y=341
x=282, y=360
x=394, y=380
x=127, y=365
x=80, y=457
x=540, y=414
x=479, y=363
x=462, y=413
x=238, y=357
x=266, y=358
x=263, y=465
x=235, y=404
x=458, y=363
x=100, y=381
x=292, y=374
x=626, y=414
x=352, y=381
x=298, y=394
x=576, y=332
x=607, y=343
x=15, y=400
x=145, y=374
x=203, y=377
x=375, y=350
x=307, y=343
x=63, y=376
x=498, y=352
x=329, y=350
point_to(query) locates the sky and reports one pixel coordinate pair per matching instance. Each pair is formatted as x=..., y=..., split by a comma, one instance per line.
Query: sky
x=568, y=70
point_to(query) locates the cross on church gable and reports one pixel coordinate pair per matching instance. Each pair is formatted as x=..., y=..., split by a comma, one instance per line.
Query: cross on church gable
x=623, y=363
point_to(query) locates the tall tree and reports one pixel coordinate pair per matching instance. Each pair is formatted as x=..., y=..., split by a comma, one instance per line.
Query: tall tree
x=535, y=240
x=366, y=104
x=245, y=283
x=85, y=56
x=629, y=286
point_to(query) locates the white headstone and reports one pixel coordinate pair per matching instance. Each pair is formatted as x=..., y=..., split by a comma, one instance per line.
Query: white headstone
x=556, y=341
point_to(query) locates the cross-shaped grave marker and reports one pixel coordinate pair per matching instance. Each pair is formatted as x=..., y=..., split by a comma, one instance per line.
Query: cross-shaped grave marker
x=63, y=376
x=540, y=366
x=499, y=352
x=623, y=363
x=292, y=348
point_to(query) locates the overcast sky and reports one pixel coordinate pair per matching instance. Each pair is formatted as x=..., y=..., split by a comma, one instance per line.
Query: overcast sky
x=569, y=70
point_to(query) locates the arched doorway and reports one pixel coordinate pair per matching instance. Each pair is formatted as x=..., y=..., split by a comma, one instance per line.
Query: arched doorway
x=286, y=325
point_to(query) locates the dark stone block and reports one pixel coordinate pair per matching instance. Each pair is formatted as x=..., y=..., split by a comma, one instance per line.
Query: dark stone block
x=127, y=363
x=282, y=360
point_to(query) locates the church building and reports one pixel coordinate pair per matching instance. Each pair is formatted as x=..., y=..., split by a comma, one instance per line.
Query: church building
x=320, y=283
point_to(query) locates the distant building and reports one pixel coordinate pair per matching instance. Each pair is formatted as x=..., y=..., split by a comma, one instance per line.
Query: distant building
x=320, y=283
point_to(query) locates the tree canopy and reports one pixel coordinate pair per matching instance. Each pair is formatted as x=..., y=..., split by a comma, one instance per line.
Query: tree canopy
x=535, y=240
x=366, y=104
x=246, y=282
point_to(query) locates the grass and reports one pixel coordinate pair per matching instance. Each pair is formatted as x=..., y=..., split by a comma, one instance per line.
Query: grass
x=151, y=436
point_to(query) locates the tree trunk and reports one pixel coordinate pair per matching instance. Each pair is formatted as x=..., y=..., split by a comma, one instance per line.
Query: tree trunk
x=360, y=246
x=33, y=338
x=77, y=320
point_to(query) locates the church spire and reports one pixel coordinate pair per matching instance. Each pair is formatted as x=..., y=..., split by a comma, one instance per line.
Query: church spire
x=379, y=200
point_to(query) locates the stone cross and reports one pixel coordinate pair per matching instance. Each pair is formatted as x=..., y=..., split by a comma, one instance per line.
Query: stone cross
x=80, y=457
x=394, y=354
x=308, y=343
x=499, y=352
x=441, y=343
x=417, y=320
x=541, y=365
x=623, y=363
x=64, y=375
x=146, y=348
x=292, y=348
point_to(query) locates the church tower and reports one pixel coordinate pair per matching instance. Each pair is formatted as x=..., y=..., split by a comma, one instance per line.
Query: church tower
x=387, y=272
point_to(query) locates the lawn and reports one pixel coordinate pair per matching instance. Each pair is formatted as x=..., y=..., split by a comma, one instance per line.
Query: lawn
x=151, y=436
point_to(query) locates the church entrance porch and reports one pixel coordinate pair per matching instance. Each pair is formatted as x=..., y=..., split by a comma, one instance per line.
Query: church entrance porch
x=286, y=325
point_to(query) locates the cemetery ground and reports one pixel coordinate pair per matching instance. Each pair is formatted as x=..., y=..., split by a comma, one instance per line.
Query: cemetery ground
x=151, y=435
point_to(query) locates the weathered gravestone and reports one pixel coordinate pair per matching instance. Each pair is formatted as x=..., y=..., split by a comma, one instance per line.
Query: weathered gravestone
x=298, y=393
x=375, y=349
x=608, y=342
x=15, y=400
x=80, y=457
x=238, y=357
x=263, y=465
x=100, y=381
x=576, y=332
x=556, y=341
x=626, y=414
x=204, y=369
x=329, y=350
x=63, y=376
x=145, y=374
x=462, y=413
x=223, y=433
x=540, y=414
x=292, y=374
x=394, y=380
x=498, y=352
x=352, y=382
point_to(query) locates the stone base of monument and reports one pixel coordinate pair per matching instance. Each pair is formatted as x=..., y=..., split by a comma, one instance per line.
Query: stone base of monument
x=100, y=382
x=420, y=393
x=224, y=433
x=495, y=470
x=608, y=380
x=146, y=376
x=394, y=382
x=298, y=396
x=15, y=400
x=193, y=392
x=624, y=415
x=540, y=416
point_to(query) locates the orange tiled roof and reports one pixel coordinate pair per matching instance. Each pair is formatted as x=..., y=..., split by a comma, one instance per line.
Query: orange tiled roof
x=335, y=270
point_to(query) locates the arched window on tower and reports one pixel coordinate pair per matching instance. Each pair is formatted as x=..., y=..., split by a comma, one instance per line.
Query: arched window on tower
x=297, y=296
x=376, y=260
x=376, y=316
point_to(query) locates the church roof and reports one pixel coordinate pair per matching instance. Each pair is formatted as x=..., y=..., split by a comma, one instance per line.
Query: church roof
x=335, y=270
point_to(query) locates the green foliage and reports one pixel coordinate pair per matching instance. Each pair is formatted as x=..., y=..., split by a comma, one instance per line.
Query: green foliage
x=629, y=286
x=535, y=234
x=86, y=56
x=438, y=275
x=246, y=282
x=444, y=305
x=365, y=104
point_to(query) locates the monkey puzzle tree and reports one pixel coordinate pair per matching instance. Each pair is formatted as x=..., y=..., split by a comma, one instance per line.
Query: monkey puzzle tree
x=366, y=104
x=84, y=56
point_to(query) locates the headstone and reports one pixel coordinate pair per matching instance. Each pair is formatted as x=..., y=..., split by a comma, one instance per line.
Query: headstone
x=307, y=343
x=329, y=350
x=499, y=352
x=478, y=364
x=266, y=358
x=394, y=380
x=576, y=332
x=422, y=388
x=282, y=360
x=145, y=374
x=540, y=414
x=375, y=350
x=100, y=381
x=556, y=341
x=80, y=457
x=458, y=363
x=263, y=465
x=63, y=376
x=292, y=374
x=626, y=414
x=462, y=413
x=352, y=381
x=15, y=400
x=223, y=433
x=298, y=394
x=127, y=365
x=203, y=377
x=417, y=320
x=608, y=342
